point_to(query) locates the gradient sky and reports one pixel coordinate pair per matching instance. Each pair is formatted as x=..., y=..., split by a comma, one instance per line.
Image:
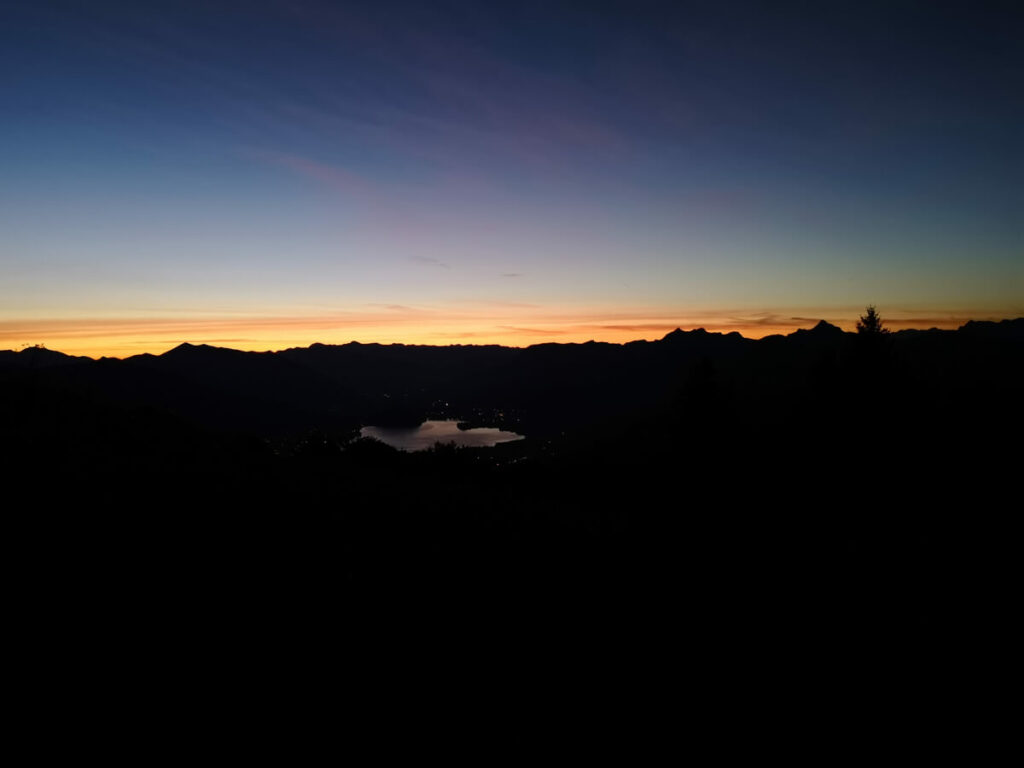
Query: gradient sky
x=269, y=174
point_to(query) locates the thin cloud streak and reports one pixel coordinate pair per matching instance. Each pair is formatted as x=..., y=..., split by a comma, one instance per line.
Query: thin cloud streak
x=539, y=331
x=430, y=261
x=340, y=179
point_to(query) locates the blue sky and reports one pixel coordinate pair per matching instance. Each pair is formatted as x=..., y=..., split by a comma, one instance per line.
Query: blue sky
x=285, y=173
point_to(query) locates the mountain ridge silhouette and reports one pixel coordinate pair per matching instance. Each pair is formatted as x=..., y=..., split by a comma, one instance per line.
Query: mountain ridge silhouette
x=548, y=387
x=1011, y=328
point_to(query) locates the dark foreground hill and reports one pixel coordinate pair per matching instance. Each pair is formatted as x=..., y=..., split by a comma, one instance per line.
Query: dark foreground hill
x=822, y=477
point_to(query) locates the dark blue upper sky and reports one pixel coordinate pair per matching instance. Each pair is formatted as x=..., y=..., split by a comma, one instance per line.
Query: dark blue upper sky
x=253, y=156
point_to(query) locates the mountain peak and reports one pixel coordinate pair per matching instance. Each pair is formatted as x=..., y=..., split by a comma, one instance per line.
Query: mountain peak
x=824, y=326
x=823, y=329
x=679, y=333
x=188, y=349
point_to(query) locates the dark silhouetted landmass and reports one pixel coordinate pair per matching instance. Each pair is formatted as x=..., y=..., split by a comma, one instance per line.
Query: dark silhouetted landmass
x=814, y=478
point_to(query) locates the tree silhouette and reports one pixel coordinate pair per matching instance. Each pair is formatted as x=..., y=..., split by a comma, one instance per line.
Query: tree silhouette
x=870, y=323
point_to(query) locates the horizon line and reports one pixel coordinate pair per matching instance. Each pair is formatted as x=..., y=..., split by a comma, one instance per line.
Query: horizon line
x=206, y=343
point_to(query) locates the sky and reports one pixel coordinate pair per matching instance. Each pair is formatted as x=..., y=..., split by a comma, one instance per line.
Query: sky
x=263, y=175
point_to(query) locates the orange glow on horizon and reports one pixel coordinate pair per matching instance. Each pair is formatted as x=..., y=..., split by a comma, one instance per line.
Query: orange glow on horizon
x=515, y=326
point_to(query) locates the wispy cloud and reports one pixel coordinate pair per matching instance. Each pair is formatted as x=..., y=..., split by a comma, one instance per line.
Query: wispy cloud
x=538, y=331
x=638, y=327
x=401, y=308
x=496, y=303
x=429, y=261
x=340, y=179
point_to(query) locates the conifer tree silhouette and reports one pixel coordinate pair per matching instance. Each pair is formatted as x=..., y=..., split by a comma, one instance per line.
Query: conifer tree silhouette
x=870, y=323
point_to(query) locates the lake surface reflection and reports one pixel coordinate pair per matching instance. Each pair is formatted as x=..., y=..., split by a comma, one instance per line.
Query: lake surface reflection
x=429, y=432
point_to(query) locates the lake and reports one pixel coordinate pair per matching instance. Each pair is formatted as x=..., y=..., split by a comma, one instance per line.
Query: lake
x=429, y=432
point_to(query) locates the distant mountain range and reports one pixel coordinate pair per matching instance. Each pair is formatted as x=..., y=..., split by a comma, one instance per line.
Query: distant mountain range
x=545, y=387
